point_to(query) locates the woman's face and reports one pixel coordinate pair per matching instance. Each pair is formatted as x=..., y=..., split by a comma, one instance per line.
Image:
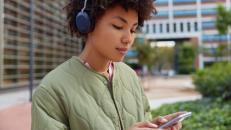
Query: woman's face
x=114, y=33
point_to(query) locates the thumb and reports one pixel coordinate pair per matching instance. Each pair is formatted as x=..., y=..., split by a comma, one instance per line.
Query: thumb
x=146, y=124
x=159, y=120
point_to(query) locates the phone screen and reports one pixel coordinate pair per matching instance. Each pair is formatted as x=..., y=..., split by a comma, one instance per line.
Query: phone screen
x=175, y=120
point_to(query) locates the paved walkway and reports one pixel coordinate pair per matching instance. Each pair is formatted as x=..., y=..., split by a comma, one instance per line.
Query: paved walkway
x=161, y=90
x=16, y=117
x=15, y=109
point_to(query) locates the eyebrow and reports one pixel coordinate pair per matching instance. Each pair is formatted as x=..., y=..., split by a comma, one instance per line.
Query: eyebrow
x=123, y=20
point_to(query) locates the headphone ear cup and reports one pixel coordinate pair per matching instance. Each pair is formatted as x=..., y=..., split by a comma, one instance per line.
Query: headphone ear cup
x=83, y=22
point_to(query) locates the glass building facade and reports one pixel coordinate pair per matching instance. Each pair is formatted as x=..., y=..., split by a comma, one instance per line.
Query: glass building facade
x=187, y=19
x=52, y=42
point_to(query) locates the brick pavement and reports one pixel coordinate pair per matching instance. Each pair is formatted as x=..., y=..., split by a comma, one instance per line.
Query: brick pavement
x=16, y=117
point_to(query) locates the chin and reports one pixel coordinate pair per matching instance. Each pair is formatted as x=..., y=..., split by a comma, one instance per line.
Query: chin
x=117, y=59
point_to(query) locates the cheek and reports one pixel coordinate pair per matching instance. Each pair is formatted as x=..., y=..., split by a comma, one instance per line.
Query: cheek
x=133, y=38
x=109, y=34
x=132, y=41
x=104, y=40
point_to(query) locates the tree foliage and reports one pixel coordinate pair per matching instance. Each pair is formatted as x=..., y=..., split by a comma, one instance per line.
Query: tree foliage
x=145, y=54
x=223, y=20
x=160, y=57
x=187, y=54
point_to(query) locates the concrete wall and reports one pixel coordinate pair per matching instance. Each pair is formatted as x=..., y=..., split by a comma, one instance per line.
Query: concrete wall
x=1, y=40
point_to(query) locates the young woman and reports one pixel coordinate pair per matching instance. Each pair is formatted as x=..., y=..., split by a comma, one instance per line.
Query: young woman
x=95, y=90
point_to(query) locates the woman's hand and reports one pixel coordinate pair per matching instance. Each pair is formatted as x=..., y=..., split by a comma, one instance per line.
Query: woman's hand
x=154, y=124
x=144, y=126
x=161, y=120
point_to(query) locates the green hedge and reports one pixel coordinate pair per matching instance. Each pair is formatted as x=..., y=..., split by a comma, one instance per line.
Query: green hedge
x=207, y=114
x=214, y=81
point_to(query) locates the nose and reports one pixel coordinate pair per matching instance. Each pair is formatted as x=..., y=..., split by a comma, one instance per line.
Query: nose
x=127, y=37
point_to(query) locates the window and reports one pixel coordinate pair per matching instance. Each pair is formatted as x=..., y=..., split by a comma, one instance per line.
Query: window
x=215, y=37
x=174, y=27
x=181, y=27
x=167, y=27
x=161, y=2
x=184, y=12
x=154, y=28
x=147, y=28
x=183, y=1
x=208, y=11
x=188, y=26
x=161, y=28
x=162, y=14
x=195, y=26
x=208, y=24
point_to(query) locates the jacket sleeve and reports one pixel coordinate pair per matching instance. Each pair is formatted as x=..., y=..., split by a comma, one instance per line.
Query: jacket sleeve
x=147, y=109
x=47, y=111
x=147, y=114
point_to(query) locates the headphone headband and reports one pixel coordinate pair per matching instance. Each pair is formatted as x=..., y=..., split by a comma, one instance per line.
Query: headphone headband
x=84, y=6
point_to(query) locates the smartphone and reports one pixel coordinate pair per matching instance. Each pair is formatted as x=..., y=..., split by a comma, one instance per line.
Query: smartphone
x=175, y=120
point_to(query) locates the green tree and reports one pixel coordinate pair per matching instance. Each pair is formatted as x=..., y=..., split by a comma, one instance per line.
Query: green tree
x=164, y=58
x=223, y=20
x=145, y=54
x=220, y=51
x=160, y=57
x=187, y=54
x=223, y=23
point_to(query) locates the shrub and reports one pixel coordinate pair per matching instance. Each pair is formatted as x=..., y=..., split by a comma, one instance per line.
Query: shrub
x=207, y=114
x=214, y=81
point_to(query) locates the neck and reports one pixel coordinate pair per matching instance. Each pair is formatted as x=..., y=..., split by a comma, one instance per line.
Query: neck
x=95, y=60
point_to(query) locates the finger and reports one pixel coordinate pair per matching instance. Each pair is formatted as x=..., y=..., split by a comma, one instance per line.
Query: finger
x=170, y=116
x=163, y=129
x=177, y=126
x=146, y=129
x=171, y=128
x=146, y=124
x=159, y=120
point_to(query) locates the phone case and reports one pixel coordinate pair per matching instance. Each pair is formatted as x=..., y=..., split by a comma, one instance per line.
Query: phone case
x=175, y=120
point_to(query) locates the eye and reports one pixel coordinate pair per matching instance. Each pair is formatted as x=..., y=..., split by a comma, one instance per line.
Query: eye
x=117, y=27
x=133, y=30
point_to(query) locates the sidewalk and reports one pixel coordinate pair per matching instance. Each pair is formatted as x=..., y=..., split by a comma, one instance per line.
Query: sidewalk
x=15, y=110
x=165, y=90
x=16, y=117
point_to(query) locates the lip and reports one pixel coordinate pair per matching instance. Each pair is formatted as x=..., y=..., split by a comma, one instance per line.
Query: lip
x=122, y=50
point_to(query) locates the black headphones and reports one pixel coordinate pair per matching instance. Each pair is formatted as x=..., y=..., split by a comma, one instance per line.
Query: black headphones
x=82, y=20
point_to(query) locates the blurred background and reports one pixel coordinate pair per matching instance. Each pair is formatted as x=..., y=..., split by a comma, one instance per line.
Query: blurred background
x=182, y=56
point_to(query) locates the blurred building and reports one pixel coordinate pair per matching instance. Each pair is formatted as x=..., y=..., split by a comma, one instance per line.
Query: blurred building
x=190, y=20
x=53, y=44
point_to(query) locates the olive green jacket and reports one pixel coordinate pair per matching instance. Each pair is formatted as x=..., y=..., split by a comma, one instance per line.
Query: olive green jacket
x=73, y=97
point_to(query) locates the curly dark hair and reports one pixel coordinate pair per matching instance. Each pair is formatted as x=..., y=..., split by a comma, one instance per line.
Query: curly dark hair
x=96, y=9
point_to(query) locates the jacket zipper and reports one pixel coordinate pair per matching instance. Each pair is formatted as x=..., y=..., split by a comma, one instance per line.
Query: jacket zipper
x=112, y=96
